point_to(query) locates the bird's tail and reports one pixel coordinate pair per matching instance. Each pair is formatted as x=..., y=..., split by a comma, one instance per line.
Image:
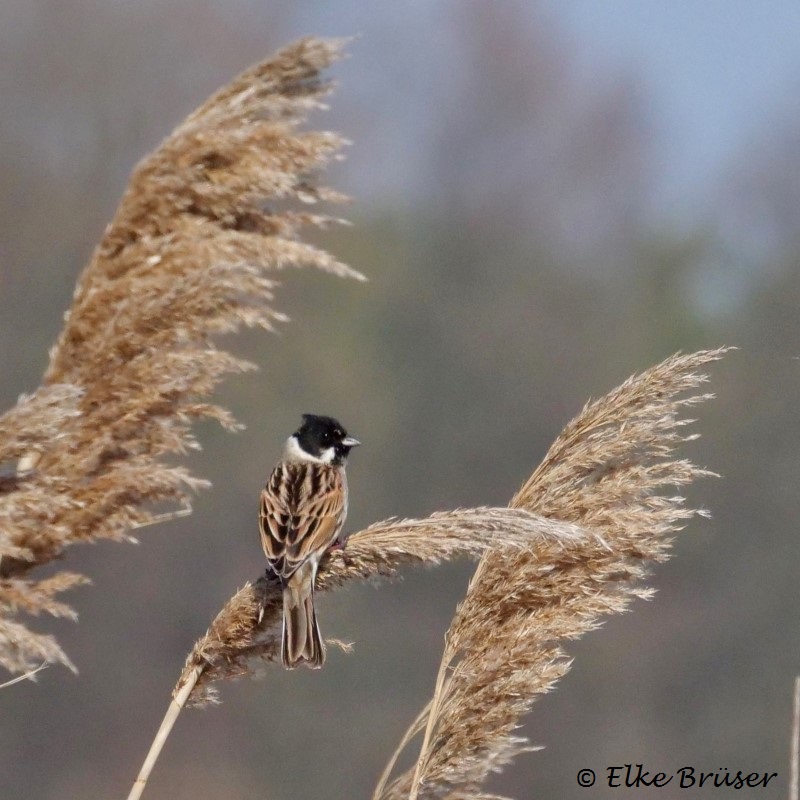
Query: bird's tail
x=301, y=642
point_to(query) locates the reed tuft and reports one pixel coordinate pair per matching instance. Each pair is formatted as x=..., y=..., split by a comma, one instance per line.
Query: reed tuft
x=573, y=546
x=216, y=207
x=248, y=629
x=606, y=472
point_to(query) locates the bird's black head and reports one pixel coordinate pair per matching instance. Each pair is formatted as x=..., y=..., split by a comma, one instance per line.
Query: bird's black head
x=324, y=438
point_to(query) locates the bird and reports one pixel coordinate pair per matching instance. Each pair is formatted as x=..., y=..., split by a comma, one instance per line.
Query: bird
x=302, y=511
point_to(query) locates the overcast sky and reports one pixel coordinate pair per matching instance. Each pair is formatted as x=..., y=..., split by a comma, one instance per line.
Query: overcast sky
x=717, y=72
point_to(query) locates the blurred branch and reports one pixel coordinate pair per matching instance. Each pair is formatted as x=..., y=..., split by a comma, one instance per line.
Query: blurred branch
x=28, y=676
x=794, y=754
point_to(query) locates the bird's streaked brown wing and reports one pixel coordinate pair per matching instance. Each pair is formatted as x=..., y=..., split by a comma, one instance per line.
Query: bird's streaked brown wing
x=302, y=511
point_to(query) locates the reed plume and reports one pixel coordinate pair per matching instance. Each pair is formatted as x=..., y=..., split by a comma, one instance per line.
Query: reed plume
x=247, y=631
x=569, y=548
x=249, y=626
x=215, y=208
x=605, y=472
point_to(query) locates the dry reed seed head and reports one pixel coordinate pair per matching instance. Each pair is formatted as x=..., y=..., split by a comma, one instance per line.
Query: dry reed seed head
x=36, y=421
x=541, y=559
x=248, y=628
x=22, y=650
x=604, y=472
x=635, y=422
x=202, y=198
x=205, y=218
x=36, y=597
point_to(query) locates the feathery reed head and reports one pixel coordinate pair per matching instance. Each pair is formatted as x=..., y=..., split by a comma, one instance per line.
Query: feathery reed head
x=248, y=629
x=567, y=550
x=219, y=204
x=604, y=472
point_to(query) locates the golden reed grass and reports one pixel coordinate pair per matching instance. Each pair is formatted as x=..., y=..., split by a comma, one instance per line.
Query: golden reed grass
x=247, y=630
x=572, y=546
x=219, y=205
x=184, y=259
x=606, y=472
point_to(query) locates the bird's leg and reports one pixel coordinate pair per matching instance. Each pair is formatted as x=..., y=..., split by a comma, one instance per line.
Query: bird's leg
x=340, y=545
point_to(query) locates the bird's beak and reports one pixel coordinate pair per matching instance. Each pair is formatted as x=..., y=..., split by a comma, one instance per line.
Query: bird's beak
x=349, y=441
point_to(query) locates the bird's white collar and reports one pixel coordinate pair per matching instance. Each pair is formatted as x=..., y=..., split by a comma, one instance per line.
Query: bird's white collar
x=293, y=452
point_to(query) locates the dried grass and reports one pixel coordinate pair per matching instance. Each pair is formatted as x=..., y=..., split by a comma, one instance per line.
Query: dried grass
x=248, y=629
x=204, y=218
x=605, y=472
x=185, y=259
x=572, y=546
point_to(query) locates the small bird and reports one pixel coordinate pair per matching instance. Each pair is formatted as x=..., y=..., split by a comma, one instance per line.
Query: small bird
x=303, y=508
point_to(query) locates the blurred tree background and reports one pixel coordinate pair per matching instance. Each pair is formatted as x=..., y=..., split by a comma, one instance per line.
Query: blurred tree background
x=507, y=214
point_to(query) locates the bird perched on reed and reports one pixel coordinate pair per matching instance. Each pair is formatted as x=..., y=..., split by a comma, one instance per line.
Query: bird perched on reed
x=303, y=509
